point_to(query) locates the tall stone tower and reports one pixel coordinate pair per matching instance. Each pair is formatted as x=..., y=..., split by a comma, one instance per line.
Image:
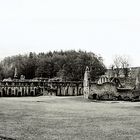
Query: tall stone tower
x=86, y=83
x=137, y=84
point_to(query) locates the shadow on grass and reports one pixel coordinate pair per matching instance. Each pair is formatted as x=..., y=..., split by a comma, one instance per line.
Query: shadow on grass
x=6, y=138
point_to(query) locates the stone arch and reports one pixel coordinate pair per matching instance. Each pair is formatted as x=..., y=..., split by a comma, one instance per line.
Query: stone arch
x=73, y=91
x=38, y=90
x=35, y=91
x=3, y=92
x=9, y=91
x=19, y=93
x=60, y=90
x=32, y=93
x=16, y=92
x=80, y=91
x=94, y=96
x=103, y=79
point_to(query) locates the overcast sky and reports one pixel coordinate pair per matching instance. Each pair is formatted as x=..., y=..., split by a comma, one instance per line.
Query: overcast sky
x=105, y=27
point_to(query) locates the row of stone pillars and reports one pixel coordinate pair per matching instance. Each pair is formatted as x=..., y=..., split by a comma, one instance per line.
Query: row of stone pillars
x=19, y=91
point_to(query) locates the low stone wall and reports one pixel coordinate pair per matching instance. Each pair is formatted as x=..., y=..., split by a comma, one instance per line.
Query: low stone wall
x=105, y=91
x=63, y=88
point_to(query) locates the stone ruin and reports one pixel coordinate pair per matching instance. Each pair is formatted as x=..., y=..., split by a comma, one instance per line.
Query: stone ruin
x=104, y=89
x=18, y=88
x=36, y=87
x=110, y=88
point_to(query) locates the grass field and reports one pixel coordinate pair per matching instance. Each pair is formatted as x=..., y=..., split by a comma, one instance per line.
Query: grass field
x=68, y=118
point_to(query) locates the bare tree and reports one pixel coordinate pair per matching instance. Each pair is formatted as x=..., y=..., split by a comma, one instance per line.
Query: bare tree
x=121, y=63
x=117, y=64
x=125, y=65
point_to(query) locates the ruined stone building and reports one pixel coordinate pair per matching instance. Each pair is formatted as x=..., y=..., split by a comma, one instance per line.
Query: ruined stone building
x=111, y=88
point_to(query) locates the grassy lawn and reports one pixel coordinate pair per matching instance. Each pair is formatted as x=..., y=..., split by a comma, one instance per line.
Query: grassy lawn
x=68, y=118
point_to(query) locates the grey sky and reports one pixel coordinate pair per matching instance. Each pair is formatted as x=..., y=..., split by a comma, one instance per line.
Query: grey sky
x=105, y=27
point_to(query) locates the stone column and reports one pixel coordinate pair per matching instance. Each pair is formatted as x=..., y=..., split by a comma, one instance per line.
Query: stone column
x=137, y=84
x=86, y=83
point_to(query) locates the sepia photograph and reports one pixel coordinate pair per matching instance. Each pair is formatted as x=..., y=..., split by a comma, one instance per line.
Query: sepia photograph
x=69, y=70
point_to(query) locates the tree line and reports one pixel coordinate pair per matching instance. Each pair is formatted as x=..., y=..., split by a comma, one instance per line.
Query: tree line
x=68, y=65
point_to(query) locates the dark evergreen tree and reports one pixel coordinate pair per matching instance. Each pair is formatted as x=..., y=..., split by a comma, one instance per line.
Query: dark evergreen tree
x=69, y=65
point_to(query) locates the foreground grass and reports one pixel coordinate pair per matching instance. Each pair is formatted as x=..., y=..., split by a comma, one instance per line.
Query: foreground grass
x=68, y=118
